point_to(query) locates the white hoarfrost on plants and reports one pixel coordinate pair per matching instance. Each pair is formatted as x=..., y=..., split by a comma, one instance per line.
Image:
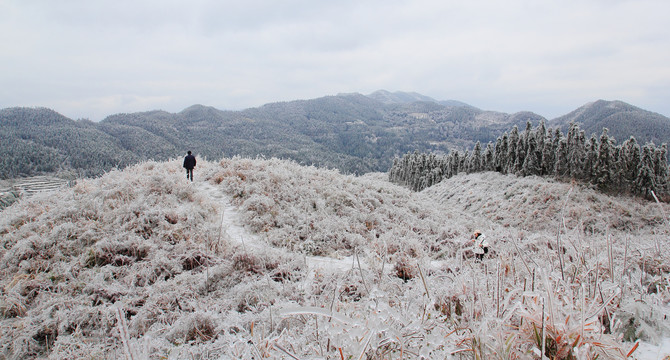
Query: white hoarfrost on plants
x=270, y=259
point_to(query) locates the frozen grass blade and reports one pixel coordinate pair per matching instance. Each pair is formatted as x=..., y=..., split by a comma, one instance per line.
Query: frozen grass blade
x=665, y=220
x=360, y=269
x=610, y=257
x=368, y=338
x=312, y=310
x=423, y=280
x=286, y=352
x=558, y=234
x=660, y=206
x=122, y=327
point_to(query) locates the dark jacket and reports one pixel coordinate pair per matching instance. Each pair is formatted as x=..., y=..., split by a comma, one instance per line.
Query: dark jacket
x=189, y=161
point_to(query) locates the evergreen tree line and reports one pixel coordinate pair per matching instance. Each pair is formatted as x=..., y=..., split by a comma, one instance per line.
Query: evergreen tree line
x=628, y=167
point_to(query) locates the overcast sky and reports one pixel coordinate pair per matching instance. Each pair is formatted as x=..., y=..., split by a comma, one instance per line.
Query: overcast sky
x=90, y=59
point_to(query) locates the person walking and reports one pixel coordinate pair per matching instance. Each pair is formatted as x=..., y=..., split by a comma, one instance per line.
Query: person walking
x=189, y=164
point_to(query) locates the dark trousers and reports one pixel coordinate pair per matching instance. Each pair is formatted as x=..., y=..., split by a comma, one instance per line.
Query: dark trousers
x=481, y=256
x=189, y=174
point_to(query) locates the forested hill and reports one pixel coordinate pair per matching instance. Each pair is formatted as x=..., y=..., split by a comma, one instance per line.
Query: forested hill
x=38, y=140
x=623, y=120
x=350, y=132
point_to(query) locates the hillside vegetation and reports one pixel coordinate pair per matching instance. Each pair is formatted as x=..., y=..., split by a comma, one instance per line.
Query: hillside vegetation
x=626, y=168
x=353, y=133
x=141, y=263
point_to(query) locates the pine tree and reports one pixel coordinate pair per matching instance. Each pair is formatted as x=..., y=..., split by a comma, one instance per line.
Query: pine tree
x=541, y=138
x=454, y=162
x=476, y=159
x=630, y=163
x=574, y=157
x=446, y=166
x=577, y=154
x=489, y=158
x=531, y=164
x=393, y=171
x=522, y=148
x=661, y=168
x=463, y=162
x=550, y=152
x=604, y=162
x=590, y=160
x=562, y=164
x=645, y=182
x=618, y=180
x=501, y=154
x=512, y=148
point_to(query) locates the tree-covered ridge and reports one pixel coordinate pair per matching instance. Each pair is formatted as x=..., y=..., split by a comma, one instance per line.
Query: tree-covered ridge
x=38, y=141
x=353, y=133
x=627, y=168
x=622, y=120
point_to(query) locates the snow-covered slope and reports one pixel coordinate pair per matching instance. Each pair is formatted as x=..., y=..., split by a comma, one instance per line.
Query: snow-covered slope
x=269, y=259
x=535, y=204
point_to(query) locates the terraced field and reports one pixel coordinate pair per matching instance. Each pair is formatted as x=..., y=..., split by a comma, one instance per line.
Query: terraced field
x=13, y=190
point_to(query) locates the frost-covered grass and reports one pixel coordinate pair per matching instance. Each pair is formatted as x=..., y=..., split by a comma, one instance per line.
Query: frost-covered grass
x=138, y=264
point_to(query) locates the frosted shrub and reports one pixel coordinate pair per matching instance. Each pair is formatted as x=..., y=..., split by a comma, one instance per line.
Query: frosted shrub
x=262, y=210
x=403, y=269
x=12, y=304
x=196, y=327
x=117, y=251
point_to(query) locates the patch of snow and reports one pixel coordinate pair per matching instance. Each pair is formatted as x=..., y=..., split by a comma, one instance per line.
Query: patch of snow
x=647, y=351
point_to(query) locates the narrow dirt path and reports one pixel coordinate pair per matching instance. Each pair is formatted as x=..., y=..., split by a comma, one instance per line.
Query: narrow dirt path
x=232, y=228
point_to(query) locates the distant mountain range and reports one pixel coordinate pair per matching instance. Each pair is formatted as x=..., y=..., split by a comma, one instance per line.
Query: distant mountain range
x=354, y=133
x=400, y=97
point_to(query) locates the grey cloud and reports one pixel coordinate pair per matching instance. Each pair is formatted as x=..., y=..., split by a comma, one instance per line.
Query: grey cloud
x=84, y=57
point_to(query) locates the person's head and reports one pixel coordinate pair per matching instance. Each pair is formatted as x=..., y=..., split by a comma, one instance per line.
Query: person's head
x=477, y=233
x=189, y=152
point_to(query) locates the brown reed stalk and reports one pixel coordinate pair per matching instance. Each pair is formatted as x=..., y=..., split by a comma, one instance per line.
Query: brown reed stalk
x=423, y=280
